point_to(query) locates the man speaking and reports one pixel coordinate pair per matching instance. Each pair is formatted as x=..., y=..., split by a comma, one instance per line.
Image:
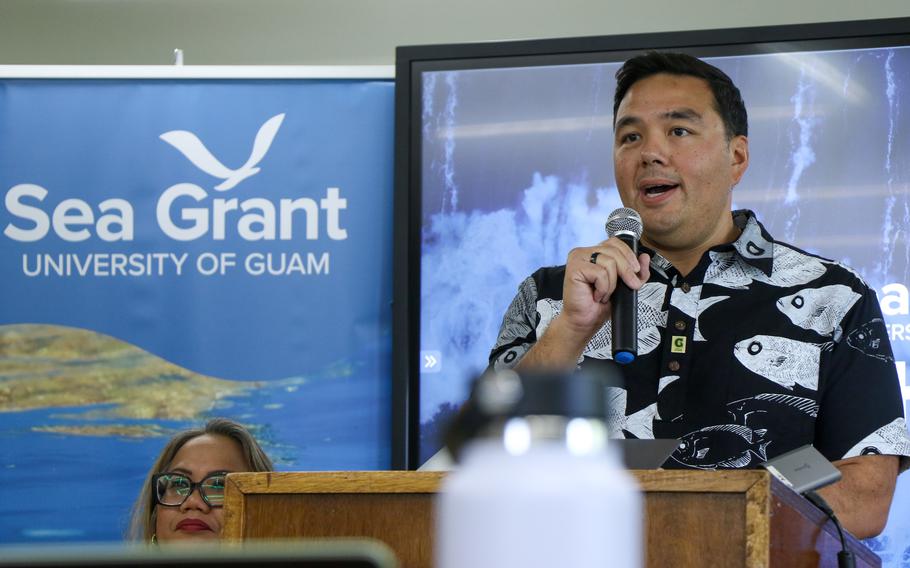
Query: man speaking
x=746, y=347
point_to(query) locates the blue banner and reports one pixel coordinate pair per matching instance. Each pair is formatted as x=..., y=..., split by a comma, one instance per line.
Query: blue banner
x=174, y=250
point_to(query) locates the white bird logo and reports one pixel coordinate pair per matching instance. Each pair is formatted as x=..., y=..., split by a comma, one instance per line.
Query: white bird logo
x=192, y=147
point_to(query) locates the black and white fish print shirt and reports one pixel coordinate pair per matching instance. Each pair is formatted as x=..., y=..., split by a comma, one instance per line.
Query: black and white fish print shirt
x=761, y=349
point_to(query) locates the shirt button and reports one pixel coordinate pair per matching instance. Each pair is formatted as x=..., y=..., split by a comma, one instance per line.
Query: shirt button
x=680, y=325
x=673, y=365
x=686, y=288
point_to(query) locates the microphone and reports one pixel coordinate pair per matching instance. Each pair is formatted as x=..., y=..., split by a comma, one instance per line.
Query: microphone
x=625, y=224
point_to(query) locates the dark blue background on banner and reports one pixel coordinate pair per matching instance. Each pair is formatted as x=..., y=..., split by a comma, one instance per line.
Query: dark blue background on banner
x=95, y=140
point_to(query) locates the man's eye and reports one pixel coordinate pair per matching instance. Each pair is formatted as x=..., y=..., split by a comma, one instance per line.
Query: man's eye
x=627, y=138
x=680, y=131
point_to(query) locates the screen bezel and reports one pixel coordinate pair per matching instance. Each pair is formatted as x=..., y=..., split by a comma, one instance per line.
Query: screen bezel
x=412, y=61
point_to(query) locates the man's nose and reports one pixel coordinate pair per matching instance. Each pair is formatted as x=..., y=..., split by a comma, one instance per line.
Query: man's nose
x=653, y=151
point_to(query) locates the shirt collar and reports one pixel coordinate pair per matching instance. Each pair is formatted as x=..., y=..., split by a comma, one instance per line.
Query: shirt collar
x=755, y=246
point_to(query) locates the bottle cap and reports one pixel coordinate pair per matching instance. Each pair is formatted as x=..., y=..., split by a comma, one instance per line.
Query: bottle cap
x=498, y=396
x=572, y=395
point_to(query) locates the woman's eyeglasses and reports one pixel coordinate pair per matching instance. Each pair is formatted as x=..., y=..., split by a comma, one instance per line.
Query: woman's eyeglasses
x=173, y=489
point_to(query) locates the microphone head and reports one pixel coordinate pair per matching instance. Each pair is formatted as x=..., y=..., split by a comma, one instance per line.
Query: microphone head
x=624, y=220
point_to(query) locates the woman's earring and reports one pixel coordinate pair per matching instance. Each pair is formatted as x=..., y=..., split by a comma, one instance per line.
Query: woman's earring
x=155, y=538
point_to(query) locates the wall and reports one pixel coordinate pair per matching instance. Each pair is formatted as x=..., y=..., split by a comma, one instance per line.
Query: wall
x=298, y=32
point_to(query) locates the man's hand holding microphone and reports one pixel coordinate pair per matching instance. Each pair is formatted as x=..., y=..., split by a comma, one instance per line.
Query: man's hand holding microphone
x=601, y=282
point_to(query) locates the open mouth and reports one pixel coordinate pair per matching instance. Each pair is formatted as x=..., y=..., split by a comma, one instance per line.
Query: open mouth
x=652, y=190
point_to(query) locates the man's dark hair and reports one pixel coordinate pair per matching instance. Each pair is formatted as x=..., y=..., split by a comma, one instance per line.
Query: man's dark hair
x=728, y=102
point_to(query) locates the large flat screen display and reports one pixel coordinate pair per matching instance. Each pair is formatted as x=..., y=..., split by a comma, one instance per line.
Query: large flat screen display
x=506, y=164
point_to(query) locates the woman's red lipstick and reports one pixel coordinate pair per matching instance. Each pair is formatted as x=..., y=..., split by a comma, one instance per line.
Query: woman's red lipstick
x=193, y=525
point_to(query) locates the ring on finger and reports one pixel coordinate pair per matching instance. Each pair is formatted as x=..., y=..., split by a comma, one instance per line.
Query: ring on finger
x=594, y=256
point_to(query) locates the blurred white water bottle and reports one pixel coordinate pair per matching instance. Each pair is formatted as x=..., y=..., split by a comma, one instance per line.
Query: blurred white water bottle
x=538, y=483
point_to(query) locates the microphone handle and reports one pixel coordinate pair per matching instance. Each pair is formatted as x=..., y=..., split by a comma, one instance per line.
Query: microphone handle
x=624, y=320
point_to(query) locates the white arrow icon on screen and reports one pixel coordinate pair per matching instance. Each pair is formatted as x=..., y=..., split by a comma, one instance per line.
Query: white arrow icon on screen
x=432, y=361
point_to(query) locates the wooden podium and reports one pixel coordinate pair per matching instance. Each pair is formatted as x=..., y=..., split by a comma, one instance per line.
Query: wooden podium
x=693, y=518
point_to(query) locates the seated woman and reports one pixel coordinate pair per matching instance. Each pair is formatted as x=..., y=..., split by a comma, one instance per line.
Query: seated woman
x=182, y=497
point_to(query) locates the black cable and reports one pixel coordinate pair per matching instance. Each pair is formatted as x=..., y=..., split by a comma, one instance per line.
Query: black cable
x=845, y=558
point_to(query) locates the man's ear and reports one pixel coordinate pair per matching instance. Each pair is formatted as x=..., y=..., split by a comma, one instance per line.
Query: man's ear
x=739, y=157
